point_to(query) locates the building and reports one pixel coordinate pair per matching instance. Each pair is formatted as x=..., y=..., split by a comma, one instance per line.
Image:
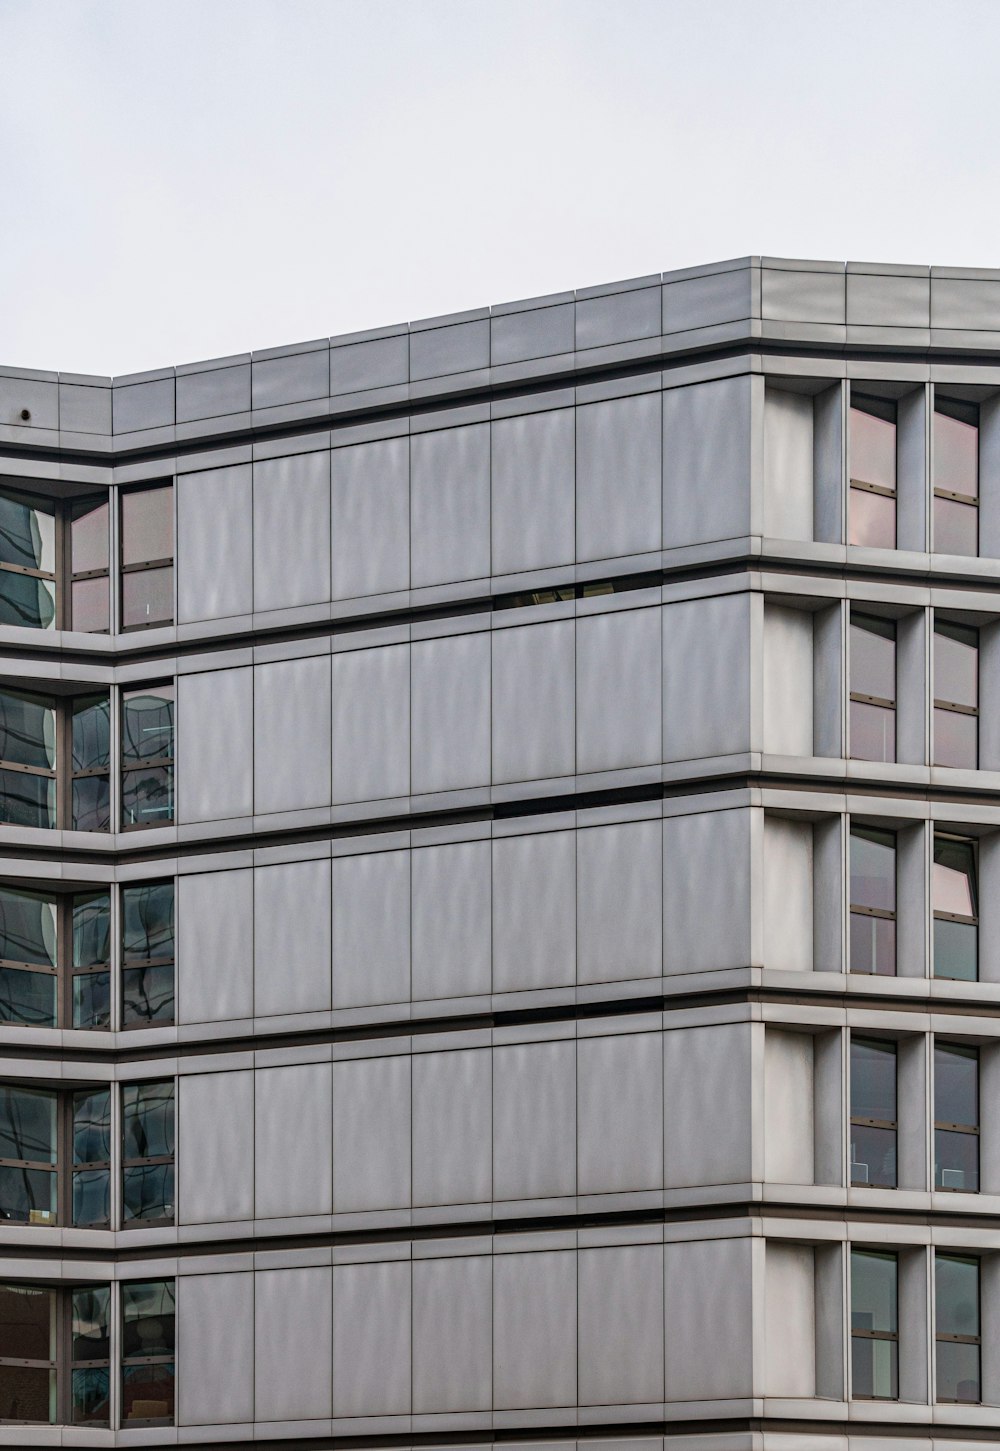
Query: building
x=581, y=847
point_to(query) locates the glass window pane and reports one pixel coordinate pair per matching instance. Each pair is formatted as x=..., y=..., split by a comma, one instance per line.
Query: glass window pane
x=27, y=1393
x=873, y=1156
x=956, y=740
x=147, y=598
x=954, y=876
x=27, y=997
x=148, y=922
x=147, y=1317
x=956, y=1084
x=91, y=803
x=956, y=1161
x=873, y=656
x=148, y=1393
x=873, y=944
x=89, y=535
x=957, y=1372
x=873, y=732
x=956, y=527
x=92, y=1198
x=27, y=1196
x=149, y=1119
x=148, y=1192
x=871, y=520
x=957, y=1290
x=92, y=1127
x=91, y=1396
x=956, y=455
x=27, y=800
x=27, y=600
x=874, y=1369
x=956, y=664
x=91, y=929
x=91, y=1323
x=956, y=950
x=27, y=730
x=148, y=796
x=91, y=732
x=27, y=1323
x=27, y=928
x=91, y=605
x=148, y=724
x=873, y=1291
x=147, y=525
x=148, y=995
x=873, y=868
x=873, y=449
x=27, y=535
x=92, y=1000
x=27, y=1124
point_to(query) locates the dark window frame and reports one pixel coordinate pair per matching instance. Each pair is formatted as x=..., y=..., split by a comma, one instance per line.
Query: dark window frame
x=128, y=768
x=145, y=1161
x=126, y=1361
x=63, y=512
x=62, y=774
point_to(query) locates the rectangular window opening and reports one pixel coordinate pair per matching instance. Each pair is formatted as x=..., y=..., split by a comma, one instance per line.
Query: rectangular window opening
x=873, y=1113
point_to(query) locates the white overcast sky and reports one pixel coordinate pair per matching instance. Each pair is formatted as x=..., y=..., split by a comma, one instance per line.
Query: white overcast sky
x=184, y=179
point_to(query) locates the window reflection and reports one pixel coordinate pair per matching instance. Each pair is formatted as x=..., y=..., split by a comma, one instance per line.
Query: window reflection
x=148, y=954
x=956, y=478
x=27, y=1334
x=873, y=688
x=872, y=504
x=90, y=1339
x=956, y=1117
x=92, y=1158
x=873, y=1113
x=874, y=1326
x=148, y=756
x=27, y=563
x=873, y=901
x=147, y=552
x=956, y=695
x=28, y=971
x=148, y=1151
x=148, y=1338
x=957, y=1330
x=28, y=1181
x=956, y=919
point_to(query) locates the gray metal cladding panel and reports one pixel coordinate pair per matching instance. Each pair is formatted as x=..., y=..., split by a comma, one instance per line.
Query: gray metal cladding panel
x=215, y=745
x=534, y=911
x=371, y=1134
x=296, y=378
x=214, y=544
x=291, y=531
x=293, y=1370
x=803, y=296
x=214, y=1311
x=293, y=1126
x=435, y=352
x=620, y=317
x=715, y=297
x=380, y=363
x=143, y=405
x=215, y=946
x=371, y=723
x=621, y=1325
x=371, y=1339
x=213, y=393
x=534, y=1329
x=534, y=1120
x=620, y=902
x=706, y=891
x=292, y=938
x=450, y=713
x=706, y=678
x=888, y=301
x=370, y=518
x=706, y=462
x=620, y=1113
x=371, y=929
x=537, y=332
x=292, y=734
x=533, y=701
x=533, y=491
x=215, y=1147
x=83, y=409
x=961, y=302
x=452, y=1356
x=452, y=1127
x=451, y=920
x=450, y=505
x=618, y=694
x=707, y=1289
x=38, y=396
x=708, y=1140
x=618, y=477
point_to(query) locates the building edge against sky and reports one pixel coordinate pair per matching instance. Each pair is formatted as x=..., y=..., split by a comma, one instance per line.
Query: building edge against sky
x=499, y=876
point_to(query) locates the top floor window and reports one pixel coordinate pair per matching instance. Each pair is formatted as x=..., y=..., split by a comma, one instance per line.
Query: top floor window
x=956, y=477
x=147, y=557
x=54, y=562
x=872, y=505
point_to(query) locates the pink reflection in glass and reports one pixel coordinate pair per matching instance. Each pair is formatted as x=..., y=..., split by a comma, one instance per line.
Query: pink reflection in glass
x=952, y=889
x=873, y=449
x=871, y=520
x=91, y=612
x=873, y=732
x=873, y=657
x=147, y=598
x=956, y=456
x=956, y=527
x=89, y=534
x=956, y=740
x=147, y=525
x=956, y=664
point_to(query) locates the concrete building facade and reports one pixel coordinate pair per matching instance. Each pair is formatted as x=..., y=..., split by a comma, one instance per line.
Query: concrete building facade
x=499, y=859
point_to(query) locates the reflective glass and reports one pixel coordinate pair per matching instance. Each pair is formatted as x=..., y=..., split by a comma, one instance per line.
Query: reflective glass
x=91, y=1396
x=148, y=796
x=871, y=520
x=956, y=950
x=873, y=732
x=27, y=800
x=873, y=944
x=873, y=1156
x=91, y=605
x=148, y=725
x=873, y=869
x=27, y=928
x=92, y=1197
x=27, y=1393
x=873, y=1080
x=92, y=1000
x=27, y=997
x=147, y=1317
x=873, y=1309
x=27, y=730
x=956, y=740
x=27, y=1196
x=27, y=600
x=873, y=657
x=27, y=1323
x=148, y=1192
x=27, y=1124
x=956, y=527
x=147, y=598
x=91, y=929
x=956, y=1161
x=27, y=535
x=92, y=1127
x=874, y=1369
x=956, y=664
x=148, y=922
x=956, y=1084
x=147, y=525
x=91, y=1323
x=958, y=1372
x=148, y=1392
x=956, y=455
x=149, y=1120
x=954, y=877
x=957, y=1292
x=91, y=803
x=148, y=995
x=873, y=449
x=91, y=733
x=89, y=535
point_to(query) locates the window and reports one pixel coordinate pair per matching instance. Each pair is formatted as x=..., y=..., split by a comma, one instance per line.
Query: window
x=29, y=1180
x=956, y=918
x=47, y=942
x=957, y=1333
x=148, y=1318
x=147, y=954
x=874, y=1326
x=91, y=764
x=91, y=974
x=956, y=695
x=148, y=756
x=956, y=477
x=873, y=1113
x=873, y=688
x=148, y=1152
x=27, y=1355
x=90, y=1356
x=872, y=507
x=956, y=1117
x=147, y=557
x=873, y=901
x=36, y=733
x=44, y=542
x=91, y=1190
